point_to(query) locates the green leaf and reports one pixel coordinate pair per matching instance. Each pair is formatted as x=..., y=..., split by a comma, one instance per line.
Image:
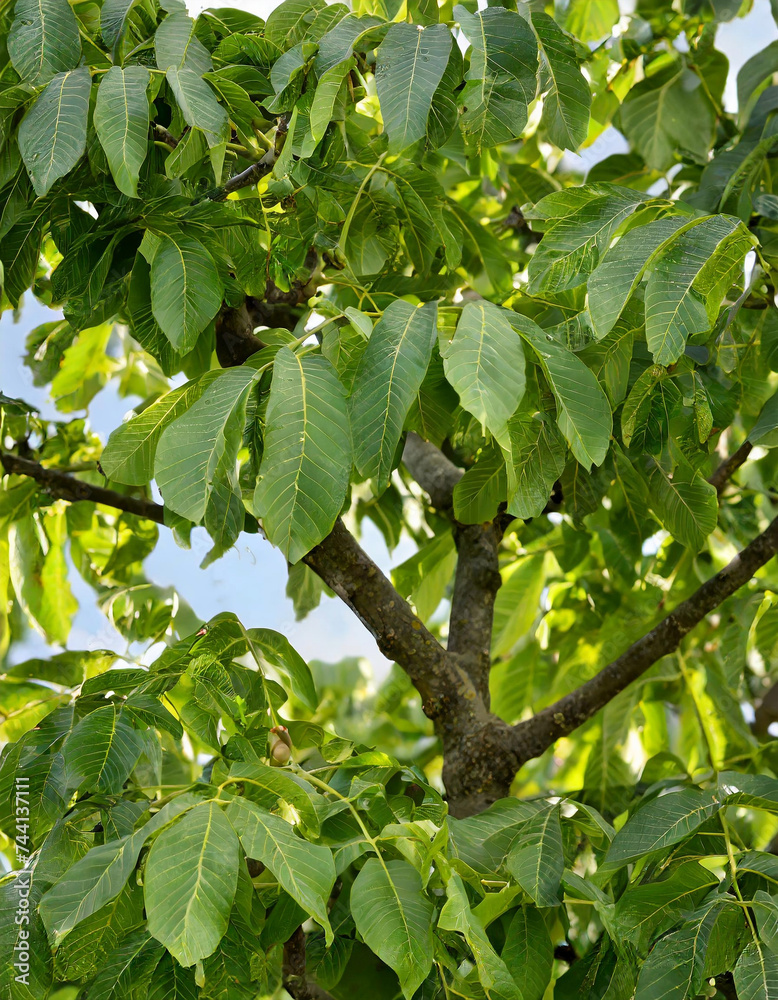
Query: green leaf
x=619, y=272
x=662, y=822
x=128, y=456
x=517, y=603
x=121, y=120
x=195, y=448
x=676, y=306
x=19, y=254
x=176, y=45
x=101, y=874
x=410, y=64
x=583, y=412
x=306, y=871
x=101, y=751
x=756, y=974
x=763, y=431
x=290, y=20
x=127, y=968
x=502, y=76
x=326, y=94
x=666, y=113
x=535, y=458
x=307, y=458
x=568, y=98
x=536, y=860
x=753, y=73
x=190, y=881
x=481, y=490
x=186, y=291
x=686, y=504
x=52, y=136
x=198, y=104
x=114, y=15
x=389, y=376
x=591, y=20
x=457, y=915
x=528, y=952
x=43, y=40
x=676, y=964
x=265, y=785
x=645, y=907
x=485, y=364
x=394, y=918
x=571, y=247
x=279, y=652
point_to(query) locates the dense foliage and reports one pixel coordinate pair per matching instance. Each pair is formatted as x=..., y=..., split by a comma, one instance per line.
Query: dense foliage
x=344, y=262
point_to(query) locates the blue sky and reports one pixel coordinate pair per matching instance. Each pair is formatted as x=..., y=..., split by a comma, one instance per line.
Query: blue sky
x=250, y=580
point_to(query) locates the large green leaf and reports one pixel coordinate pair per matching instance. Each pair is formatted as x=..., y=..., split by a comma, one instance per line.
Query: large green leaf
x=122, y=123
x=306, y=871
x=677, y=288
x=326, y=94
x=485, y=364
x=190, y=881
x=662, y=822
x=686, y=504
x=394, y=918
x=481, y=490
x=198, y=104
x=388, y=378
x=307, y=458
x=19, y=254
x=619, y=272
x=201, y=447
x=528, y=952
x=756, y=974
x=667, y=112
x=128, y=456
x=177, y=45
x=536, y=860
x=568, y=98
x=535, y=459
x=502, y=76
x=457, y=915
x=277, y=650
x=52, y=136
x=583, y=412
x=114, y=15
x=101, y=874
x=676, y=964
x=186, y=291
x=43, y=40
x=410, y=64
x=101, y=751
x=572, y=245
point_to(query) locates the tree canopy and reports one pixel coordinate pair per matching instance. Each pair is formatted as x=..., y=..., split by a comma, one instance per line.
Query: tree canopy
x=345, y=260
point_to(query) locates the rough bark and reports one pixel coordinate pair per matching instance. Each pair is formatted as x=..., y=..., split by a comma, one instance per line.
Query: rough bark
x=729, y=466
x=66, y=487
x=294, y=971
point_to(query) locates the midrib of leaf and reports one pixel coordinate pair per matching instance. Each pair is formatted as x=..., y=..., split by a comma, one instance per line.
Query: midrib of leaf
x=410, y=85
x=397, y=352
x=110, y=744
x=53, y=150
x=659, y=103
x=195, y=893
x=301, y=460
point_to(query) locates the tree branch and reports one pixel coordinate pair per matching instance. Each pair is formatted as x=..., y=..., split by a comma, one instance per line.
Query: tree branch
x=535, y=735
x=294, y=973
x=477, y=577
x=447, y=692
x=476, y=582
x=435, y=473
x=257, y=170
x=729, y=467
x=66, y=487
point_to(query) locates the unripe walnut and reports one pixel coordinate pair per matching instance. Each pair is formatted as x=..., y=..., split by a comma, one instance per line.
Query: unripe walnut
x=280, y=745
